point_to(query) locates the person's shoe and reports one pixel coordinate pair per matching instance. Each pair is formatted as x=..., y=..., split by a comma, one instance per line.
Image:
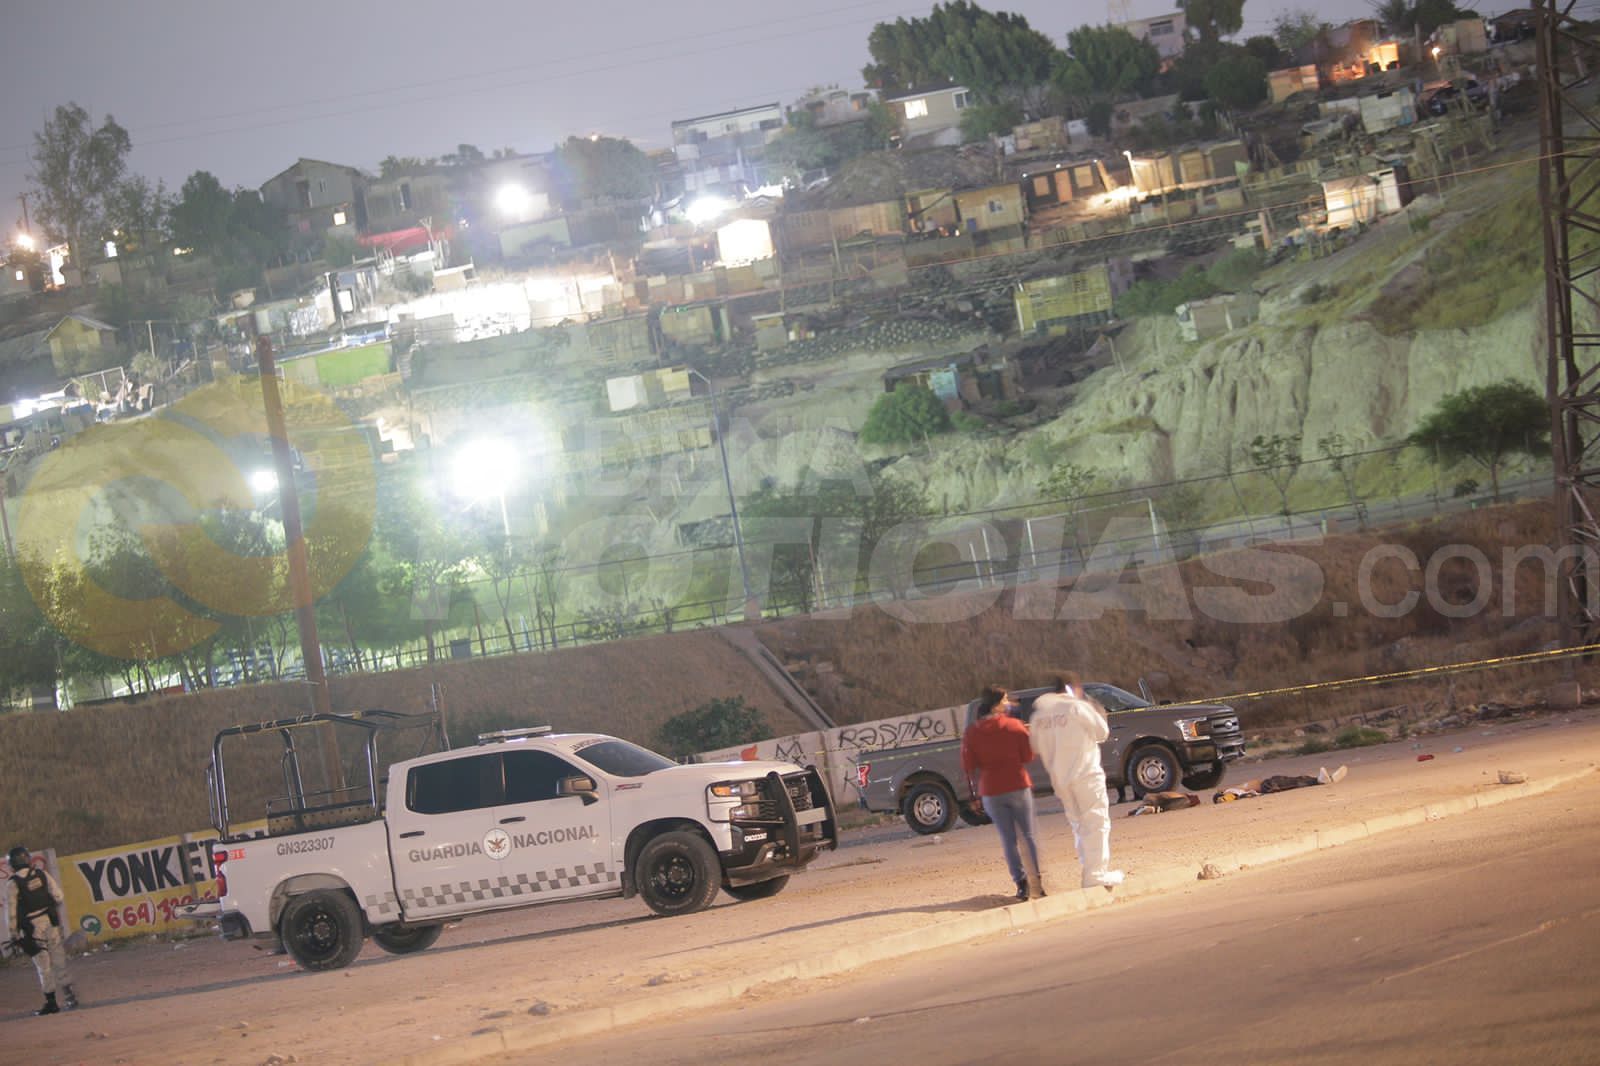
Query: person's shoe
x=1322, y=775
x=49, y=1005
x=1338, y=775
x=1035, y=890
x=1022, y=891
x=69, y=998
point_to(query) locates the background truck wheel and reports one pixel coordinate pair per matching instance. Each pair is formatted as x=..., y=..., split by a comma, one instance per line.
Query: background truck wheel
x=759, y=890
x=677, y=873
x=929, y=807
x=1153, y=768
x=1209, y=778
x=975, y=816
x=406, y=939
x=321, y=930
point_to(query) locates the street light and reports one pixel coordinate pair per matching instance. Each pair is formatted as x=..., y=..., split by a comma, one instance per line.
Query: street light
x=26, y=242
x=727, y=481
x=485, y=467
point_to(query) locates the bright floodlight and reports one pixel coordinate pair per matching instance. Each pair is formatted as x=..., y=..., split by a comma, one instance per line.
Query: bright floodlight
x=26, y=242
x=263, y=482
x=706, y=209
x=484, y=468
x=513, y=200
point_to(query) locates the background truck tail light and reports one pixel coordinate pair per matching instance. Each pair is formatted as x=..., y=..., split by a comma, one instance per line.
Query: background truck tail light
x=217, y=859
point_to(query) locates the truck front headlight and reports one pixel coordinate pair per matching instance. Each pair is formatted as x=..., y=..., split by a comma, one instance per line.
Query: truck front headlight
x=1194, y=729
x=735, y=789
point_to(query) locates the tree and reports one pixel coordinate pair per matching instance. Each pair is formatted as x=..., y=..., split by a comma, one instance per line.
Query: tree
x=909, y=413
x=1238, y=82
x=1267, y=50
x=76, y=172
x=981, y=121
x=806, y=146
x=239, y=231
x=997, y=55
x=1279, y=458
x=1214, y=19
x=719, y=723
x=465, y=155
x=1296, y=28
x=392, y=166
x=606, y=168
x=1487, y=424
x=1336, y=450
x=1107, y=61
x=136, y=212
x=1420, y=16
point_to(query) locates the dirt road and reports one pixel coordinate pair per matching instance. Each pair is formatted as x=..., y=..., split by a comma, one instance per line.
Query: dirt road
x=205, y=1001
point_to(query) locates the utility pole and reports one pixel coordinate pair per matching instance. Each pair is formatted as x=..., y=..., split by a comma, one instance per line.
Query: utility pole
x=23, y=197
x=305, y=611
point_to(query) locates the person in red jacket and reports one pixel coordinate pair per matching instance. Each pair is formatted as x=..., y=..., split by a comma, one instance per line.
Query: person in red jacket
x=995, y=747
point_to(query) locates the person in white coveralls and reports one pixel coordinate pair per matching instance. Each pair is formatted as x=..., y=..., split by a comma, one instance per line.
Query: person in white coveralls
x=1067, y=731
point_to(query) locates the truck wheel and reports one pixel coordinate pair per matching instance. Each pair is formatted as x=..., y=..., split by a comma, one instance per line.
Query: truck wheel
x=929, y=807
x=975, y=816
x=321, y=930
x=406, y=939
x=677, y=873
x=1208, y=778
x=759, y=890
x=1152, y=768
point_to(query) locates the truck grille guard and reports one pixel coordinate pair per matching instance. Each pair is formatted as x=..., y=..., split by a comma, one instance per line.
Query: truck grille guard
x=788, y=795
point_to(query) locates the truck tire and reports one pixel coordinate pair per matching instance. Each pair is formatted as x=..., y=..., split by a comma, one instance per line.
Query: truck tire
x=406, y=939
x=1153, y=768
x=759, y=890
x=321, y=930
x=677, y=873
x=929, y=807
x=1210, y=777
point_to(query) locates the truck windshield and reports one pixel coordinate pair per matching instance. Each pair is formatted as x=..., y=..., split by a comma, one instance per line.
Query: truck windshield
x=621, y=759
x=1115, y=699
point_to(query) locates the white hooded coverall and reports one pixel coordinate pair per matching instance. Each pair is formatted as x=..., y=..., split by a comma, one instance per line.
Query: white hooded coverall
x=1067, y=732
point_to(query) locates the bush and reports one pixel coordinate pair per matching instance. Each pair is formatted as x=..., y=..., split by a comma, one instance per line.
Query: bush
x=909, y=413
x=967, y=422
x=1359, y=736
x=721, y=723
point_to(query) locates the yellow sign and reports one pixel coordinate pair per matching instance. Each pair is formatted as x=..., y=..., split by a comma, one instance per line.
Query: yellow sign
x=138, y=889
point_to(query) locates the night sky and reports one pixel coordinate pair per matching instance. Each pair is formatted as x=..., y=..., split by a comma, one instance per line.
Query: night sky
x=244, y=94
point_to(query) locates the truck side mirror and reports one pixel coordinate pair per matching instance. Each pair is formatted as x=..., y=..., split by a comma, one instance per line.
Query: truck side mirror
x=583, y=787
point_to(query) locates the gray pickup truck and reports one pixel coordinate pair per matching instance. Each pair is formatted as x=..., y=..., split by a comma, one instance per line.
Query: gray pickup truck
x=1151, y=749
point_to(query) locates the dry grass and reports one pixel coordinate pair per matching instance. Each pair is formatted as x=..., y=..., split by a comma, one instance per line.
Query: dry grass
x=108, y=775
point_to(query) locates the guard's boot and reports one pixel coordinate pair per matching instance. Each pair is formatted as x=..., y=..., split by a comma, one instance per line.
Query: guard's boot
x=49, y=1005
x=69, y=998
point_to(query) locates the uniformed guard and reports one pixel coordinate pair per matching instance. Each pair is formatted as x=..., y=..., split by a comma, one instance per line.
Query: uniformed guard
x=34, y=902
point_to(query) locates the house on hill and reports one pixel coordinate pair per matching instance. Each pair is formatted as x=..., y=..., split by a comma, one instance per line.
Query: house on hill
x=79, y=339
x=319, y=197
x=931, y=117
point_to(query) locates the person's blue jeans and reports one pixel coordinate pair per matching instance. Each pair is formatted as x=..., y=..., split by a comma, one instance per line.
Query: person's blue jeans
x=1012, y=814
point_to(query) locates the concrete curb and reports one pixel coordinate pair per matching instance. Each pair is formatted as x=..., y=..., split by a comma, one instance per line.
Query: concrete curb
x=1014, y=918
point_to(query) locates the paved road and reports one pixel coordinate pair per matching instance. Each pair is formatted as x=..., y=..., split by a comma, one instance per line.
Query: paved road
x=206, y=1001
x=1470, y=940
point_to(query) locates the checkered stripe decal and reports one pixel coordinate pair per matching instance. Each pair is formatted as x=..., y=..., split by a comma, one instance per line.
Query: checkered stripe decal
x=382, y=905
x=490, y=888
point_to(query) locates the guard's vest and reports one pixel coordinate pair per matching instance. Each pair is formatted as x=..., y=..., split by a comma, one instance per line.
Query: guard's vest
x=33, y=896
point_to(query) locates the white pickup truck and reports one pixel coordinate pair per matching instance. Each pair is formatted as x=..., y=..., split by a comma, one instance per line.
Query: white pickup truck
x=525, y=817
